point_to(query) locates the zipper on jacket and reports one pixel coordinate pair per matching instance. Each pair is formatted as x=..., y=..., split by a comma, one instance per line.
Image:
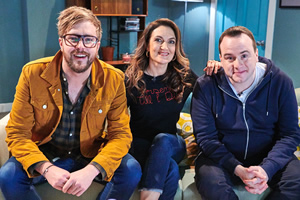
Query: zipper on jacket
x=247, y=142
x=244, y=116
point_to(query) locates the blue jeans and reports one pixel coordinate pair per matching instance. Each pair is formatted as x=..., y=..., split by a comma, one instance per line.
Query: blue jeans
x=15, y=183
x=159, y=160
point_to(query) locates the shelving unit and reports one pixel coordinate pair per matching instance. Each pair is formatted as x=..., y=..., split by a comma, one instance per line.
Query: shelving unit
x=116, y=9
x=115, y=34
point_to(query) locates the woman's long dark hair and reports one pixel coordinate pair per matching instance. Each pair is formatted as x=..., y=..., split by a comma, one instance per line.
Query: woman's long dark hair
x=177, y=69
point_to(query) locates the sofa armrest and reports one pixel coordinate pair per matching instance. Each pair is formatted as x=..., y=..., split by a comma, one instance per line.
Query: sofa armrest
x=3, y=146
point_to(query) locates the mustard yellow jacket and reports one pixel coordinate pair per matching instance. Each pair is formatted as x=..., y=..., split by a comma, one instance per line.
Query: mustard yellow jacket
x=38, y=106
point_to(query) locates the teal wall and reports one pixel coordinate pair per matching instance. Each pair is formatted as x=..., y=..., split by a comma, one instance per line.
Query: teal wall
x=13, y=51
x=286, y=42
x=196, y=32
x=196, y=29
x=28, y=31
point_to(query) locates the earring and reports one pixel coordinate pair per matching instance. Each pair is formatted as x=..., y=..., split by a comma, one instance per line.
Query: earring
x=174, y=57
x=147, y=53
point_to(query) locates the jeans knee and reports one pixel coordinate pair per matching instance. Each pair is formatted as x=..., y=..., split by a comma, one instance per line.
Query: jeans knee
x=161, y=137
x=11, y=177
x=131, y=169
x=135, y=172
x=163, y=140
x=7, y=174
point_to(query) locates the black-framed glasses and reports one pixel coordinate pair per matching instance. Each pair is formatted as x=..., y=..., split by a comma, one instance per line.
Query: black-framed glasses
x=72, y=40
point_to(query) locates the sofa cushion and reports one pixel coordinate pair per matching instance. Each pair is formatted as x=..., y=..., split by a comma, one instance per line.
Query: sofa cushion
x=297, y=91
x=3, y=146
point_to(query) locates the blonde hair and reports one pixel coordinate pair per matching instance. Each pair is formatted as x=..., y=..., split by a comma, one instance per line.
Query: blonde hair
x=74, y=15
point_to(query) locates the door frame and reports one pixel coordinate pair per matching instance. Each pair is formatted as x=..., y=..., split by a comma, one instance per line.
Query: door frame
x=269, y=35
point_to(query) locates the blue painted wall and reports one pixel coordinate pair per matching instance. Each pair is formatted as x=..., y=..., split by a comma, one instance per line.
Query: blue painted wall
x=286, y=42
x=13, y=51
x=28, y=31
x=195, y=41
x=196, y=31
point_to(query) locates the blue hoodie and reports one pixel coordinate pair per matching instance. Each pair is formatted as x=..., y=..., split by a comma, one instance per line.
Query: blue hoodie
x=262, y=131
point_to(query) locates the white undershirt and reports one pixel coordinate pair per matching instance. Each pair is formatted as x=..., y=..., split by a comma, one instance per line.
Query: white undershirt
x=260, y=70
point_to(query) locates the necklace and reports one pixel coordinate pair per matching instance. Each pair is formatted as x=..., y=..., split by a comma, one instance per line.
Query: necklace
x=153, y=77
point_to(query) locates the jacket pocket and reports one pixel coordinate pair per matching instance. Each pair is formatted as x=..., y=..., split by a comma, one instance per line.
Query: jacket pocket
x=45, y=115
x=96, y=118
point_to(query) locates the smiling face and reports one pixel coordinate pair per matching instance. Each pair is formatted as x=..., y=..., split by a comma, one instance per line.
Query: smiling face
x=161, y=46
x=79, y=58
x=239, y=59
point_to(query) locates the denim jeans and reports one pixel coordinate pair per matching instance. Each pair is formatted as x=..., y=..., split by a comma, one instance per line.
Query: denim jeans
x=159, y=160
x=15, y=183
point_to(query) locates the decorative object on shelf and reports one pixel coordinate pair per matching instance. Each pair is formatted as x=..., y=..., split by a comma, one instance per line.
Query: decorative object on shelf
x=107, y=53
x=126, y=58
x=132, y=23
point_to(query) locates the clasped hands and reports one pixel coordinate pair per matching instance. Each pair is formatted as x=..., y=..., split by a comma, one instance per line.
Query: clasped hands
x=75, y=183
x=255, y=178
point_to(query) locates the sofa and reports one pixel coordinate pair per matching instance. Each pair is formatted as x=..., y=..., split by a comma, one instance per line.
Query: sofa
x=186, y=185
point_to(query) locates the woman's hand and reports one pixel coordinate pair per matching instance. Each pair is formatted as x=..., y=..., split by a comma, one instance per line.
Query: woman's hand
x=212, y=66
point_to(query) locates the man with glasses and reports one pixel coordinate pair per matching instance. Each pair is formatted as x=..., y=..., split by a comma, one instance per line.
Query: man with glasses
x=69, y=122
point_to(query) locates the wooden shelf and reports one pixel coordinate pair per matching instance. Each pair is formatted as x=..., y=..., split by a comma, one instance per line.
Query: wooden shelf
x=116, y=62
x=120, y=7
x=137, y=8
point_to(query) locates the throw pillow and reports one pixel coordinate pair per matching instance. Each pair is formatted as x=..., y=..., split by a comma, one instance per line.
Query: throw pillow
x=185, y=130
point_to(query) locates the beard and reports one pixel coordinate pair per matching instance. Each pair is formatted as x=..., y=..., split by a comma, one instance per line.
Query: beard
x=79, y=66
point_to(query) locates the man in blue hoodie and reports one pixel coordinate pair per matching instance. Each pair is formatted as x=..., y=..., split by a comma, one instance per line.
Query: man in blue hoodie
x=246, y=125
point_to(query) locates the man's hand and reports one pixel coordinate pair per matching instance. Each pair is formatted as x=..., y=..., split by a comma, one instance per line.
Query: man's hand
x=56, y=177
x=258, y=184
x=212, y=66
x=255, y=178
x=243, y=173
x=80, y=180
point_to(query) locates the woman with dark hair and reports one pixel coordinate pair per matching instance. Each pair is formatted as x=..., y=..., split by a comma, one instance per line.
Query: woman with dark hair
x=158, y=83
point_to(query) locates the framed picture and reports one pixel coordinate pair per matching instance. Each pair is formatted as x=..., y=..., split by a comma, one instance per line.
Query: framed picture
x=289, y=3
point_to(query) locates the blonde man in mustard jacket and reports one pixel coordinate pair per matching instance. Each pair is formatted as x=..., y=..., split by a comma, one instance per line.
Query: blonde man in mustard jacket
x=69, y=121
